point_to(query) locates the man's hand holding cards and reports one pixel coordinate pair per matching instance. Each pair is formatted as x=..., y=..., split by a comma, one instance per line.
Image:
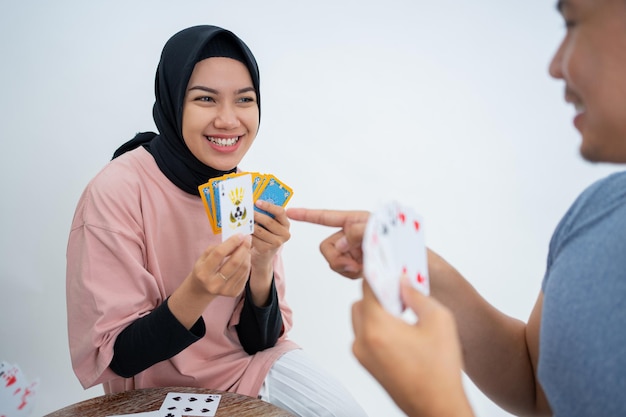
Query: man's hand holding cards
x=229, y=200
x=393, y=246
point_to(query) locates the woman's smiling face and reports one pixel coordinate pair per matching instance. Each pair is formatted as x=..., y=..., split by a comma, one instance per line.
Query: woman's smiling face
x=220, y=112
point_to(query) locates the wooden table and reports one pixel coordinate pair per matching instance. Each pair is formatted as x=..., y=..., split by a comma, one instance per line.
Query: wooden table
x=150, y=399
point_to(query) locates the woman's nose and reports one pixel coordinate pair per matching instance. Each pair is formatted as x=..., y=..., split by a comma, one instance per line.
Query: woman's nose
x=226, y=117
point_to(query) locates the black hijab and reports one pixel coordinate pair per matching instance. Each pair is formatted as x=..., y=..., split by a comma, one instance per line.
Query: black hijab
x=180, y=54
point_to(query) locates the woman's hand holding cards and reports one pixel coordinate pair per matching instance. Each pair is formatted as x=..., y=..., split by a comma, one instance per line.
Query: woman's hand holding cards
x=271, y=235
x=270, y=232
x=222, y=270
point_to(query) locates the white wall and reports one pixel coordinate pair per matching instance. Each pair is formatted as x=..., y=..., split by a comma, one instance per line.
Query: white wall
x=444, y=105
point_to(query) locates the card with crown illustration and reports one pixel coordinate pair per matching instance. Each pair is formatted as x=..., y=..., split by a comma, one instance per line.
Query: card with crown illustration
x=209, y=192
x=236, y=206
x=262, y=187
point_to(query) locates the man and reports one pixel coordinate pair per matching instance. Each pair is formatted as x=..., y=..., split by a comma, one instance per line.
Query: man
x=569, y=358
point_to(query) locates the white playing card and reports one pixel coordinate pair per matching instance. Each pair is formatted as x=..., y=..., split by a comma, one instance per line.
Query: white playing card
x=191, y=404
x=236, y=206
x=158, y=413
x=17, y=395
x=393, y=245
x=411, y=248
x=379, y=263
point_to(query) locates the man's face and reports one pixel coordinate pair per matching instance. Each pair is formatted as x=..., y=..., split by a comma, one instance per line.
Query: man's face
x=592, y=61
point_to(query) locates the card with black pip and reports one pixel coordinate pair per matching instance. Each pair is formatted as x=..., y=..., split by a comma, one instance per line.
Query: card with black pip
x=191, y=404
x=229, y=200
x=236, y=206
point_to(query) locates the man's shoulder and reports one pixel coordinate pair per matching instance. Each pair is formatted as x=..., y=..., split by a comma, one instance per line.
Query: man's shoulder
x=611, y=188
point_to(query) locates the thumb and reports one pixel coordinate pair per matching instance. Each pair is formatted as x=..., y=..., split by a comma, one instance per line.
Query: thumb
x=414, y=299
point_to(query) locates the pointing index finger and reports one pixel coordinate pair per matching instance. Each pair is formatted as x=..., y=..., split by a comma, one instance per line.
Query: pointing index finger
x=332, y=218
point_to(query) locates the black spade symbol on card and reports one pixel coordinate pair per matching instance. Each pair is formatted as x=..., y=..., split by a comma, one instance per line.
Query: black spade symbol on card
x=188, y=409
x=176, y=398
x=193, y=399
x=205, y=410
x=208, y=400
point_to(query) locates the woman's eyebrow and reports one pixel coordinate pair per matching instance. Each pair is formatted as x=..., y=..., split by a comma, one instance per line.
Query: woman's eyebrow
x=213, y=91
x=203, y=88
x=245, y=90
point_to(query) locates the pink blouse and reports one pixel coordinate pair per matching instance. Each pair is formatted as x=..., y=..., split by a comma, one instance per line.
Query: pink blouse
x=134, y=238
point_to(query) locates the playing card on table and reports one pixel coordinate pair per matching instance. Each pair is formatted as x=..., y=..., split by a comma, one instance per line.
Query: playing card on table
x=17, y=394
x=236, y=206
x=393, y=246
x=158, y=413
x=191, y=404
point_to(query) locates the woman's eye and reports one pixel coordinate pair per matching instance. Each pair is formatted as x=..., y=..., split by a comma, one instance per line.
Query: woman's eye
x=246, y=100
x=206, y=99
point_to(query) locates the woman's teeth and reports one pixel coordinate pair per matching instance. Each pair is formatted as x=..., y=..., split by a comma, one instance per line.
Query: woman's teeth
x=224, y=141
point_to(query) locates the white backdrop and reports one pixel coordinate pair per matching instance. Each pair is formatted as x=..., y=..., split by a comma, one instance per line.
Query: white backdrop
x=444, y=105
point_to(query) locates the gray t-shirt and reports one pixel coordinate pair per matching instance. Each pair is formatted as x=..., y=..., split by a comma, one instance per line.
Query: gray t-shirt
x=582, y=360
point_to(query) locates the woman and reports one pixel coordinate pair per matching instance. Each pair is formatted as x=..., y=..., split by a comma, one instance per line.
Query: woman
x=154, y=297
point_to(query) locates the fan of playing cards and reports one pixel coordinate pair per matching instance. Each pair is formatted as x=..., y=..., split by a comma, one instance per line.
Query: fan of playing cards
x=17, y=395
x=229, y=200
x=178, y=404
x=393, y=245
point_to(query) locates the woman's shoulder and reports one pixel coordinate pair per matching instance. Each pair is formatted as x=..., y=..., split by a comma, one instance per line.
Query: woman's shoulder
x=125, y=173
x=118, y=187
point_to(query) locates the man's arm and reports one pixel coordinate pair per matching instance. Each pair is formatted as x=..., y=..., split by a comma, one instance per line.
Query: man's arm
x=500, y=353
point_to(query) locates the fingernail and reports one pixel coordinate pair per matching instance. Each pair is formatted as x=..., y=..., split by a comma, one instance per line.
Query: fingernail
x=342, y=244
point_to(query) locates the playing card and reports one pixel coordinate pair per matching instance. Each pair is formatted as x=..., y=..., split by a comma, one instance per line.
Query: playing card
x=191, y=404
x=273, y=191
x=215, y=202
x=205, y=193
x=263, y=186
x=410, y=248
x=393, y=245
x=378, y=262
x=257, y=180
x=17, y=395
x=158, y=413
x=236, y=206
